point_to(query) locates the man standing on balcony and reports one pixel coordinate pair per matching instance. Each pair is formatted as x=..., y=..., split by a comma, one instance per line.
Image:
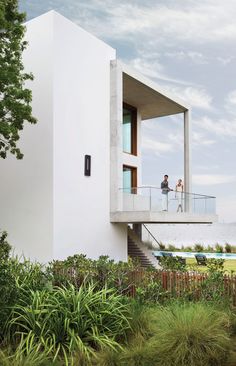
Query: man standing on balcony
x=165, y=190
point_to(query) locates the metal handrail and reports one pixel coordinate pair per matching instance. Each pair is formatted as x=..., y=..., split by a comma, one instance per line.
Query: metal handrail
x=151, y=235
x=153, y=187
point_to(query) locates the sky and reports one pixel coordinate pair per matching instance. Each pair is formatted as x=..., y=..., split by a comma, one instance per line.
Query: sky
x=189, y=49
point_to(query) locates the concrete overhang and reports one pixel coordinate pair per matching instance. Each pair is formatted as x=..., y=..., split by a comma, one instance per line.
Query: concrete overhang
x=151, y=100
x=150, y=217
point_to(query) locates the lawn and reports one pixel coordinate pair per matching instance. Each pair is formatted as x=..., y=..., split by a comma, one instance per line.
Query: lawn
x=229, y=265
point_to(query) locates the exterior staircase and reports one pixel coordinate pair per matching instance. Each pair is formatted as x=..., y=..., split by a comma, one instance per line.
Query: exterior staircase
x=135, y=253
x=137, y=250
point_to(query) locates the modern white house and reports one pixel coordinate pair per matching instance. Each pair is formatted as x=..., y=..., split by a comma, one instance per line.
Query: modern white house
x=79, y=187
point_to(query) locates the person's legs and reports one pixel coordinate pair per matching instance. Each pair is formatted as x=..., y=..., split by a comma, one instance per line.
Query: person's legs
x=164, y=202
x=179, y=201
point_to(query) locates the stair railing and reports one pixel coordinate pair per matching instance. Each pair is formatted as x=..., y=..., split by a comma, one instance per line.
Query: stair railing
x=153, y=237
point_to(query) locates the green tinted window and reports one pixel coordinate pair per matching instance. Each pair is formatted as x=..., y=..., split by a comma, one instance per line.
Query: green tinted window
x=127, y=179
x=127, y=131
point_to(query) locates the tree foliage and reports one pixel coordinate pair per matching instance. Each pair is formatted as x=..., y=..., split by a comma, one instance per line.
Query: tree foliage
x=15, y=98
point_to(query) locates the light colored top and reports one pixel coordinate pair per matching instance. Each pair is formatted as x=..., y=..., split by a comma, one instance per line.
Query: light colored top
x=179, y=187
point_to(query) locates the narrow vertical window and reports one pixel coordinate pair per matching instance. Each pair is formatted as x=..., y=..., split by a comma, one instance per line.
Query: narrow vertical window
x=129, y=129
x=129, y=179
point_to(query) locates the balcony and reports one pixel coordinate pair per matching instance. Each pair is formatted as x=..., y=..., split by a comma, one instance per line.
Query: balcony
x=149, y=205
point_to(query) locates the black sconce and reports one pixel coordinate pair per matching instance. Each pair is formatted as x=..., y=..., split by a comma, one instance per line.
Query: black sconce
x=87, y=165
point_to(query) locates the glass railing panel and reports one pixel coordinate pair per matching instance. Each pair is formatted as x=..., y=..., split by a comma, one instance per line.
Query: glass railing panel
x=152, y=199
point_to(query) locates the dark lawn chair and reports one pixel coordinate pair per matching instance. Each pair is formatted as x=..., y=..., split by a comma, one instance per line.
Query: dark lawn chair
x=166, y=254
x=201, y=259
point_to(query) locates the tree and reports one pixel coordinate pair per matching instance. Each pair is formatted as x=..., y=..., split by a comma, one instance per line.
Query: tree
x=15, y=98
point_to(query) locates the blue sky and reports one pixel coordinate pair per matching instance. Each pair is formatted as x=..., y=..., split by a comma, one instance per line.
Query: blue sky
x=187, y=47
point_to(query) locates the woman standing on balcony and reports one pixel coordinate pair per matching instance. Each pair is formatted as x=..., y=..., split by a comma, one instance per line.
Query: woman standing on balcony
x=179, y=189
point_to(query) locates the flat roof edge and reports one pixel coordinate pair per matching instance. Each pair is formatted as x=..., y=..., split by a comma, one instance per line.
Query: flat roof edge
x=149, y=83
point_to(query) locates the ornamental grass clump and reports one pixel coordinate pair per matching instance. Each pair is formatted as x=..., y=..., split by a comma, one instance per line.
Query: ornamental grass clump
x=191, y=335
x=18, y=277
x=66, y=322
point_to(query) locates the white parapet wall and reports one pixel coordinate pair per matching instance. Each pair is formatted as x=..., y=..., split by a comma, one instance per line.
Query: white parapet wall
x=49, y=208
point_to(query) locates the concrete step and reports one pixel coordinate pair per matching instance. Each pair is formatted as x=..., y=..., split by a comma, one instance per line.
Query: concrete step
x=136, y=253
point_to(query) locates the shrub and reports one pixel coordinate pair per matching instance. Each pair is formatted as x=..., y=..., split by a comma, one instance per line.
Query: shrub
x=5, y=247
x=142, y=320
x=172, y=263
x=219, y=248
x=209, y=249
x=171, y=248
x=191, y=335
x=78, y=270
x=198, y=248
x=17, y=279
x=107, y=357
x=212, y=288
x=188, y=249
x=31, y=357
x=233, y=249
x=228, y=248
x=162, y=246
x=139, y=352
x=152, y=292
x=186, y=335
x=215, y=266
x=66, y=321
x=8, y=293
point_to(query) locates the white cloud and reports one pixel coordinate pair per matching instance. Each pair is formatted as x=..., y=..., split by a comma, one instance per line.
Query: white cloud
x=197, y=22
x=232, y=97
x=151, y=68
x=225, y=60
x=221, y=127
x=200, y=139
x=195, y=97
x=156, y=147
x=230, y=102
x=194, y=56
x=213, y=179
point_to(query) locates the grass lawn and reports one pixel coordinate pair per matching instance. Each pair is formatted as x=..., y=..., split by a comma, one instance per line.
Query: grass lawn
x=229, y=265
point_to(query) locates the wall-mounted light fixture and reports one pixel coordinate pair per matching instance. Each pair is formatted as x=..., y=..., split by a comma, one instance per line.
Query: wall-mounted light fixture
x=87, y=165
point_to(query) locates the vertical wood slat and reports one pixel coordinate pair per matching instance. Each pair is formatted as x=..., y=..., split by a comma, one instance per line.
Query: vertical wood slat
x=175, y=283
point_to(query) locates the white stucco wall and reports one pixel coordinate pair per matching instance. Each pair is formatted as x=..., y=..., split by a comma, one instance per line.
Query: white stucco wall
x=50, y=209
x=82, y=126
x=26, y=186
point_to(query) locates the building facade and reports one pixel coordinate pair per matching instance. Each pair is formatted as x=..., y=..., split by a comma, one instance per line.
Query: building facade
x=79, y=184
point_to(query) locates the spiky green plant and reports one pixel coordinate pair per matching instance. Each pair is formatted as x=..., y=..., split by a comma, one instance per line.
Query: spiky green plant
x=31, y=355
x=18, y=276
x=66, y=321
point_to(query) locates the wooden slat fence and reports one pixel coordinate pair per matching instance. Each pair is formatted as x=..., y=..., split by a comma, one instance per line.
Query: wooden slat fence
x=173, y=284
x=177, y=284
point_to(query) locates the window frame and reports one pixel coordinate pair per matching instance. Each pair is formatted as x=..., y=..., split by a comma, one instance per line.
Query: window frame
x=134, y=136
x=134, y=177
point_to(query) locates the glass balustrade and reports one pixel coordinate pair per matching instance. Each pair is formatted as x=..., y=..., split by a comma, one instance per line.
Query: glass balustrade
x=152, y=199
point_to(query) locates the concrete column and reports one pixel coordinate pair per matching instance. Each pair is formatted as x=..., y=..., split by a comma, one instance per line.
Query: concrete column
x=138, y=230
x=116, y=119
x=139, y=150
x=187, y=160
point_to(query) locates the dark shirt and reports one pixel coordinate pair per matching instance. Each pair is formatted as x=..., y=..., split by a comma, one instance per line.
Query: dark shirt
x=165, y=187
